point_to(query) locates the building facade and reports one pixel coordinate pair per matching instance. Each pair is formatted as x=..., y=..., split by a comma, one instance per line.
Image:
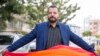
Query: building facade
x=94, y=26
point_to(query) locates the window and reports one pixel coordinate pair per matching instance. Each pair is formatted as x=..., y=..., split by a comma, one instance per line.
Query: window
x=5, y=40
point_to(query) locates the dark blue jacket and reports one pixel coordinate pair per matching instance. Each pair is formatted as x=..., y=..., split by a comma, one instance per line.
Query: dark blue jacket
x=40, y=33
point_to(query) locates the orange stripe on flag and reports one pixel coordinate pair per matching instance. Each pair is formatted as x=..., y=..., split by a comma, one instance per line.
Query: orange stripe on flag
x=59, y=50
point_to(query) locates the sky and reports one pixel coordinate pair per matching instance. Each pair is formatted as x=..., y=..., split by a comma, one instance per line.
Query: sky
x=89, y=8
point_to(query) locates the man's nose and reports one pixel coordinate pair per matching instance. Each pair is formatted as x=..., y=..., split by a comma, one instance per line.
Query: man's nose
x=52, y=14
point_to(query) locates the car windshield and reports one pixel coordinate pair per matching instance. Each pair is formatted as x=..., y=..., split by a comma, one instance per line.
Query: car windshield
x=5, y=40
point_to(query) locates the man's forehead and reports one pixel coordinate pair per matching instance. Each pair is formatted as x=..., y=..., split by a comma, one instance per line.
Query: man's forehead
x=52, y=9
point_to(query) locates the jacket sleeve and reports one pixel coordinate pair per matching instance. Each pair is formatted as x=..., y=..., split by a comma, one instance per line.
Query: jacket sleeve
x=79, y=41
x=23, y=40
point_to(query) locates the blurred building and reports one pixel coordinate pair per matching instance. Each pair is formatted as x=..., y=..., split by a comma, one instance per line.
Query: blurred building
x=18, y=24
x=94, y=26
x=75, y=29
x=86, y=23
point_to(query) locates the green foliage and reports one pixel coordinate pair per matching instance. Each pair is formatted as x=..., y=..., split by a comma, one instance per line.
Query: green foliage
x=2, y=25
x=66, y=11
x=97, y=35
x=37, y=10
x=2, y=2
x=7, y=8
x=86, y=33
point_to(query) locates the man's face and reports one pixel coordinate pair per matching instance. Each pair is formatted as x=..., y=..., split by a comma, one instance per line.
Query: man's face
x=53, y=15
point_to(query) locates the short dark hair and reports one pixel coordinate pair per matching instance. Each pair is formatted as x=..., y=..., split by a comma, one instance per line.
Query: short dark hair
x=52, y=6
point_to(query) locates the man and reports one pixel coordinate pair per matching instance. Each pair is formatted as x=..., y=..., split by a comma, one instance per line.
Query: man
x=49, y=34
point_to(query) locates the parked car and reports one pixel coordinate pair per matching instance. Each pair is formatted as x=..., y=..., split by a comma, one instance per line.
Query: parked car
x=8, y=38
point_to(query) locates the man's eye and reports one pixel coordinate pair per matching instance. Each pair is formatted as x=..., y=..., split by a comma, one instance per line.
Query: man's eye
x=55, y=13
x=49, y=13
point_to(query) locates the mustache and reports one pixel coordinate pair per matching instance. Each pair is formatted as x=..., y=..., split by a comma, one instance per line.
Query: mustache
x=52, y=17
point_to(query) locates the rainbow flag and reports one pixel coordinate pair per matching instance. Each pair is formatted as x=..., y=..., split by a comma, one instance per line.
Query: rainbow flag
x=59, y=50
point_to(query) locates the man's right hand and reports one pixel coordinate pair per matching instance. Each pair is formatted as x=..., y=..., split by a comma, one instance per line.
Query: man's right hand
x=4, y=51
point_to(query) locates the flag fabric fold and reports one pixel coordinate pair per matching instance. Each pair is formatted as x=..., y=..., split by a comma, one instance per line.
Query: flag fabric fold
x=59, y=50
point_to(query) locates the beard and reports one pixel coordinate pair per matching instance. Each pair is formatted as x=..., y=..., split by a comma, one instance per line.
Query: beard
x=52, y=19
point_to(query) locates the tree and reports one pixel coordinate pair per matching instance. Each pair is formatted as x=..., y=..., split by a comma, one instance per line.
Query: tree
x=7, y=8
x=97, y=35
x=37, y=9
x=86, y=33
